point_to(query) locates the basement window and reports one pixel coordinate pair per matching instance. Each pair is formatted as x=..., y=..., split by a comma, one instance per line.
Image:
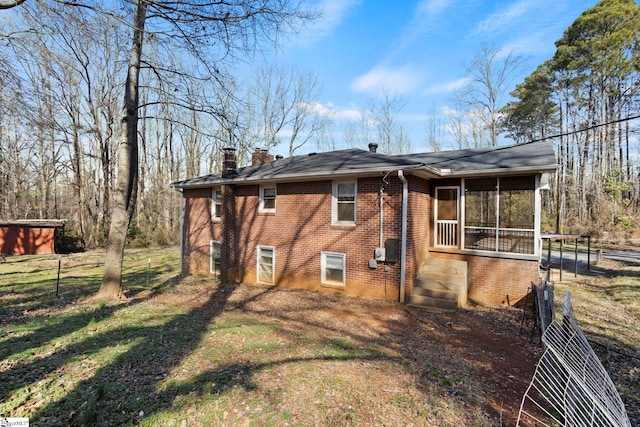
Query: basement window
x=333, y=268
x=266, y=263
x=215, y=250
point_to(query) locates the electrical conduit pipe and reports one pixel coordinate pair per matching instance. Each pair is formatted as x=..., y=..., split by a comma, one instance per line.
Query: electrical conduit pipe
x=403, y=238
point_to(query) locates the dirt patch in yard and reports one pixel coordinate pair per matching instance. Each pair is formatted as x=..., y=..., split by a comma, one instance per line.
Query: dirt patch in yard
x=476, y=362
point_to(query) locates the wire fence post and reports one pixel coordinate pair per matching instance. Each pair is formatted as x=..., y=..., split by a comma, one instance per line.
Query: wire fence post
x=58, y=280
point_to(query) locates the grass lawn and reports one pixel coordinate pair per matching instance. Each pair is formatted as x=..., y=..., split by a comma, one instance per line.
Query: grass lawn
x=190, y=351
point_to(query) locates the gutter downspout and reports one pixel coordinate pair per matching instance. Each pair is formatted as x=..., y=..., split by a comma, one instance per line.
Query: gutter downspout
x=403, y=239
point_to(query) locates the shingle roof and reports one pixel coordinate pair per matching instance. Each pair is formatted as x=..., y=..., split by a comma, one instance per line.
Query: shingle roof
x=535, y=156
x=538, y=157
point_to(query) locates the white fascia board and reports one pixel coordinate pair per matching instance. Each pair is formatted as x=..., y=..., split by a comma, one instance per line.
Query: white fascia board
x=501, y=171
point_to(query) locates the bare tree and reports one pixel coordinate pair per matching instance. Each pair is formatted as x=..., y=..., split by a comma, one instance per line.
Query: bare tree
x=435, y=131
x=196, y=27
x=282, y=103
x=208, y=35
x=483, y=96
x=305, y=123
x=357, y=133
x=384, y=116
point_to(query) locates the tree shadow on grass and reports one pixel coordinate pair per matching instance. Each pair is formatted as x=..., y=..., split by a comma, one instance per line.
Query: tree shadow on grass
x=54, y=331
x=133, y=383
x=21, y=302
x=117, y=392
x=53, y=328
x=79, y=278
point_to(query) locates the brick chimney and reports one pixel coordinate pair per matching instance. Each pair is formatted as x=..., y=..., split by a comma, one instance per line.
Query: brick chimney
x=229, y=165
x=261, y=156
x=373, y=147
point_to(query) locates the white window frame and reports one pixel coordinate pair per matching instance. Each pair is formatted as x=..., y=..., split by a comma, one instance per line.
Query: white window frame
x=275, y=196
x=334, y=203
x=273, y=263
x=212, y=269
x=216, y=192
x=323, y=268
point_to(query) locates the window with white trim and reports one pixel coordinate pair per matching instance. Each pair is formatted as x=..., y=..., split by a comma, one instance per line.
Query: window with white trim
x=266, y=264
x=216, y=204
x=268, y=198
x=344, y=202
x=333, y=268
x=215, y=250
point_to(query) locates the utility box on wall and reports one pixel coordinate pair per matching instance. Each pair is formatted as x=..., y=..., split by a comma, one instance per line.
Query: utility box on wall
x=392, y=250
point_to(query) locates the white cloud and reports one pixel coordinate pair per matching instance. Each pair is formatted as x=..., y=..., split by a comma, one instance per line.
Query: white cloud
x=333, y=13
x=448, y=111
x=539, y=42
x=402, y=80
x=431, y=8
x=424, y=20
x=500, y=20
x=446, y=87
x=331, y=112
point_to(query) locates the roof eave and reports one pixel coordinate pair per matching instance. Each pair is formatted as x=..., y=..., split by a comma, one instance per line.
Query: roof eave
x=364, y=172
x=499, y=171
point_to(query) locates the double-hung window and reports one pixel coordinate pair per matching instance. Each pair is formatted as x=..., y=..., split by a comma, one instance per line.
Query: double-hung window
x=268, y=198
x=216, y=204
x=214, y=257
x=266, y=263
x=333, y=268
x=344, y=203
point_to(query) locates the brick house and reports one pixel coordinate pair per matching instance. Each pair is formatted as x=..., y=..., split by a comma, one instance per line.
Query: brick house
x=433, y=228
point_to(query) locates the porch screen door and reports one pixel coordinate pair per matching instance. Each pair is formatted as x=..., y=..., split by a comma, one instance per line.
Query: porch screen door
x=446, y=217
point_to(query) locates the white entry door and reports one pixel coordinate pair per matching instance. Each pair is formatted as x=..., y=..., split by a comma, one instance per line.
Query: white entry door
x=447, y=214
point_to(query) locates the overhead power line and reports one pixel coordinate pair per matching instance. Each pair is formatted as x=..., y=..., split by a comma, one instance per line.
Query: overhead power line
x=573, y=132
x=478, y=153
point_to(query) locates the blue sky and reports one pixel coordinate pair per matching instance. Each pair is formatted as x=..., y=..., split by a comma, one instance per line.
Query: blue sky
x=419, y=50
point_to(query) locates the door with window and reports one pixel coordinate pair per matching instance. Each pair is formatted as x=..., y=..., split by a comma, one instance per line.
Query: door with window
x=447, y=214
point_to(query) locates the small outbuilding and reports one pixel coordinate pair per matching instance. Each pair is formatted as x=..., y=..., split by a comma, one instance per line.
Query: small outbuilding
x=29, y=236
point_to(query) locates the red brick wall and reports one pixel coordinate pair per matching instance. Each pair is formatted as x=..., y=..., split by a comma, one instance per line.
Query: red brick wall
x=418, y=230
x=20, y=240
x=199, y=230
x=496, y=281
x=299, y=230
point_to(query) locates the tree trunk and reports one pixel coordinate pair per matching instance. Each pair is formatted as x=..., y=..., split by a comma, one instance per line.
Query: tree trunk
x=126, y=191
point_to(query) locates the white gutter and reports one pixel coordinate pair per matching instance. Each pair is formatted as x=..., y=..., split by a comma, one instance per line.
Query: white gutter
x=448, y=173
x=403, y=239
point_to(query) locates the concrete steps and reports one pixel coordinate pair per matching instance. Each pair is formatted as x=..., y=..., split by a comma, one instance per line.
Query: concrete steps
x=440, y=284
